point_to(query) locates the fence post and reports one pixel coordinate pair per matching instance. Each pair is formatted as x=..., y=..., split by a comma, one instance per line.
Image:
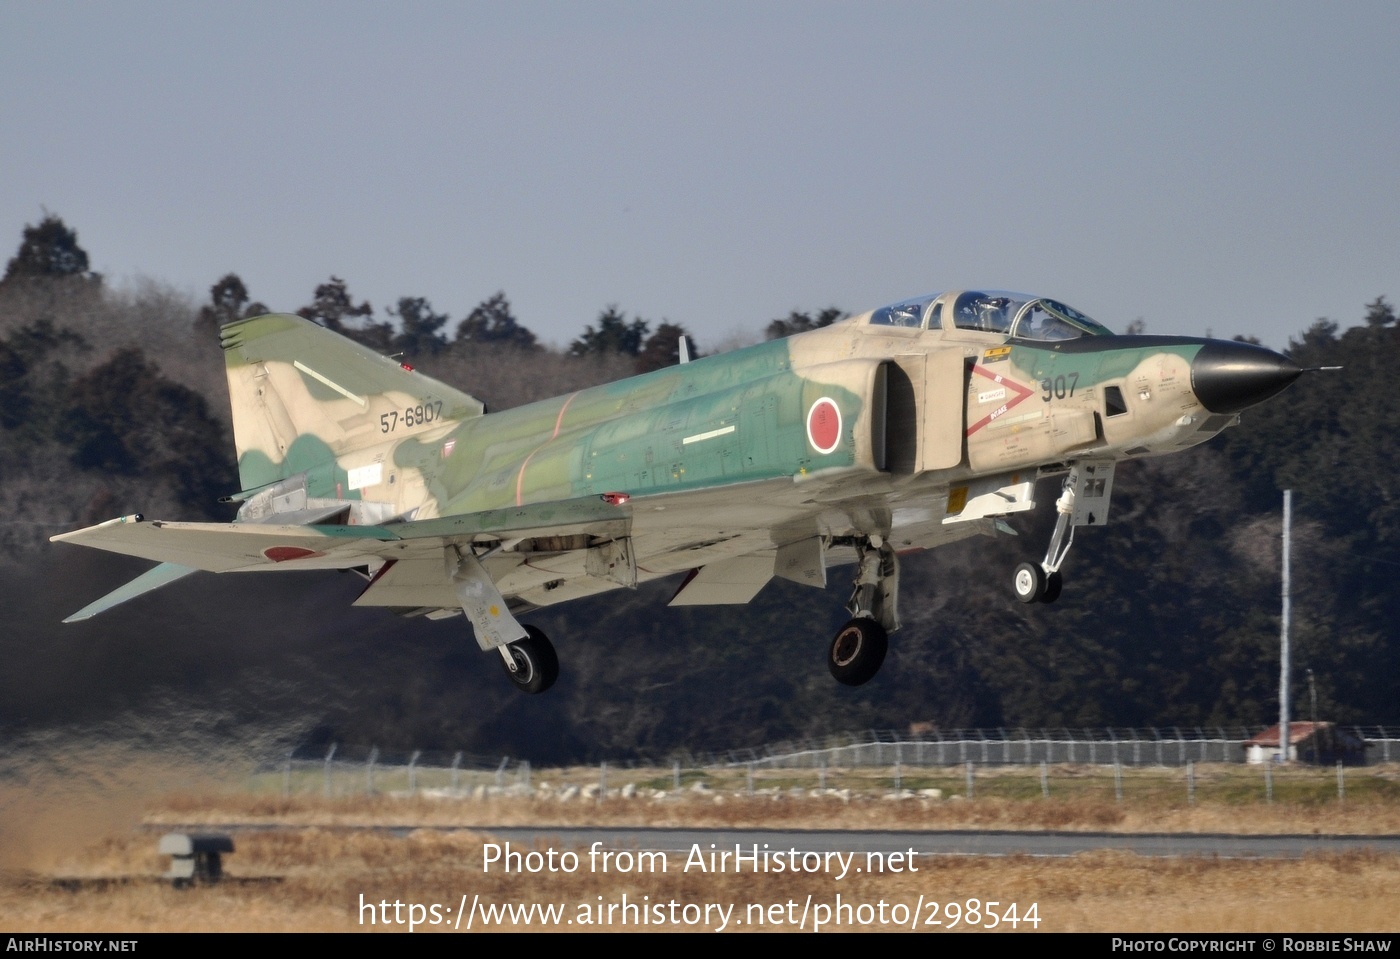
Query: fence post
x=749, y=777
x=898, y=777
x=1341, y=782
x=969, y=780
x=1118, y=781
x=287, y=776
x=821, y=777
x=456, y=771
x=602, y=780
x=413, y=772
x=1190, y=784
x=676, y=775
x=1044, y=780
x=369, y=771
x=1269, y=779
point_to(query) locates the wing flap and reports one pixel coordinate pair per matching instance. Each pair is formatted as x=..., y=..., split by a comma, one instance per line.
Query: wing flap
x=731, y=582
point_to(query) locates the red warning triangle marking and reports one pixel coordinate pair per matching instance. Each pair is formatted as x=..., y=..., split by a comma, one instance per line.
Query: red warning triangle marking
x=1020, y=391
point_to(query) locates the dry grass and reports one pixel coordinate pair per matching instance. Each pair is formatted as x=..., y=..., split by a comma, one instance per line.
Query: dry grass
x=324, y=871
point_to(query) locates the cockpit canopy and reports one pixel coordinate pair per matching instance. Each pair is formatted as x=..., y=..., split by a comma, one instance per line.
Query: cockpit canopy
x=991, y=311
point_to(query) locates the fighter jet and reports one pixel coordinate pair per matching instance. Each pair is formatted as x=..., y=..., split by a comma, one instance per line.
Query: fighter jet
x=900, y=429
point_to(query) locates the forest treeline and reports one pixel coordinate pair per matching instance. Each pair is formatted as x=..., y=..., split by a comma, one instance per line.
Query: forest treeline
x=112, y=401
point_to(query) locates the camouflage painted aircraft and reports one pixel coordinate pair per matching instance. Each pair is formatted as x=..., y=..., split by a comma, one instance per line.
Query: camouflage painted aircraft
x=900, y=429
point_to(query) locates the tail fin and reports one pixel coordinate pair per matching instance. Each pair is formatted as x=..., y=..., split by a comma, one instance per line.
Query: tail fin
x=304, y=396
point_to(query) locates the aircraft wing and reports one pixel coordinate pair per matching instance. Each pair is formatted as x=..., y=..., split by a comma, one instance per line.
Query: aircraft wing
x=234, y=547
x=248, y=547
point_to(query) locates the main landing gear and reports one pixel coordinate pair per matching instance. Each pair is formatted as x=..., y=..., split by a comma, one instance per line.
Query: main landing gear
x=531, y=663
x=859, y=648
x=526, y=652
x=858, y=651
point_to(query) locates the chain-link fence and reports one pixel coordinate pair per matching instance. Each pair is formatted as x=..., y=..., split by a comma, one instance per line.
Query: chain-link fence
x=341, y=771
x=1176, y=746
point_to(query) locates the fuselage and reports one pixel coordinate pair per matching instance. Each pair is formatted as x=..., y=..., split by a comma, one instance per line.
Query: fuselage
x=926, y=404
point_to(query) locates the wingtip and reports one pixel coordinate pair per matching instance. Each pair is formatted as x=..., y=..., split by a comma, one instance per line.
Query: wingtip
x=74, y=533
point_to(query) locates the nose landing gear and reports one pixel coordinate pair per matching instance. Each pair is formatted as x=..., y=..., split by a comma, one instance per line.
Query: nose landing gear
x=1084, y=502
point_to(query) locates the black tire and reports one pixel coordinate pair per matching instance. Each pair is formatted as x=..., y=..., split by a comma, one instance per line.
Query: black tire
x=536, y=663
x=1029, y=582
x=1053, y=583
x=857, y=652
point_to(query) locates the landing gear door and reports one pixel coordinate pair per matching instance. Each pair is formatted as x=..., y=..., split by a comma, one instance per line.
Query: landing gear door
x=1092, y=482
x=945, y=388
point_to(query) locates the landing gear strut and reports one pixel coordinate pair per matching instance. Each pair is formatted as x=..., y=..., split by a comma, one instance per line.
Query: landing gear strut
x=859, y=648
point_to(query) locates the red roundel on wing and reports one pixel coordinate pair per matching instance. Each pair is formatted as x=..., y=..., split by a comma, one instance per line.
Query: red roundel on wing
x=824, y=425
x=280, y=554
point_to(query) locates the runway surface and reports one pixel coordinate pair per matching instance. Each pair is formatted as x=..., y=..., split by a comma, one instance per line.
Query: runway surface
x=948, y=842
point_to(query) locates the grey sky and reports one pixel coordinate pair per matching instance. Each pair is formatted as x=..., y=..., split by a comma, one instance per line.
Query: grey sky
x=1232, y=167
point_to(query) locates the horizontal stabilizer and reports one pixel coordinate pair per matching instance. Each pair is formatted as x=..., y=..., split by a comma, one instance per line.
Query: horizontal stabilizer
x=151, y=579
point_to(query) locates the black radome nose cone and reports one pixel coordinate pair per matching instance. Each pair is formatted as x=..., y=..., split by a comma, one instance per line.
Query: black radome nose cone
x=1227, y=376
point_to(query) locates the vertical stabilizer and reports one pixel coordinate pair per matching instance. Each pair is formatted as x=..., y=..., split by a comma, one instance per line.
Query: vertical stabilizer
x=303, y=397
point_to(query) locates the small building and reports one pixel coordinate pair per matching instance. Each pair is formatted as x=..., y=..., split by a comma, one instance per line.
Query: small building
x=1321, y=743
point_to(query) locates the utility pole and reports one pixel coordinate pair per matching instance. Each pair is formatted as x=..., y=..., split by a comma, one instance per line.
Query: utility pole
x=1283, y=640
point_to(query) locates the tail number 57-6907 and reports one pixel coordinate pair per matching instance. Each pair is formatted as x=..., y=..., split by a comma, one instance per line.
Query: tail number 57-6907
x=410, y=416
